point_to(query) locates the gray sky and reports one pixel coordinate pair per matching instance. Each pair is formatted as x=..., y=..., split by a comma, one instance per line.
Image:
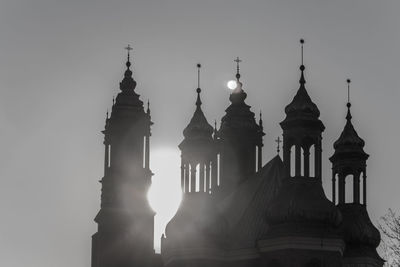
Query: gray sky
x=61, y=63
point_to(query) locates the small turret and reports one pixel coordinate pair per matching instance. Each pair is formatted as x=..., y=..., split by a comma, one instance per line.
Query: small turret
x=197, y=151
x=349, y=162
x=239, y=139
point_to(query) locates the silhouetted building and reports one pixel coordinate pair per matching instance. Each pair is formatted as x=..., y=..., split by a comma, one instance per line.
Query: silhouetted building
x=125, y=220
x=235, y=211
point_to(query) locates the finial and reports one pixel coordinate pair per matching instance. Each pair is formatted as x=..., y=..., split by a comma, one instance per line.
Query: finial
x=302, y=44
x=215, y=124
x=237, y=60
x=278, y=141
x=198, y=90
x=148, y=106
x=107, y=115
x=113, y=100
x=198, y=77
x=348, y=91
x=128, y=48
x=302, y=68
x=348, y=116
x=260, y=121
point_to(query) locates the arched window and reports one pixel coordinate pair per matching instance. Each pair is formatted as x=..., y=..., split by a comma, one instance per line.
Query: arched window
x=349, y=181
x=312, y=161
x=292, y=160
x=197, y=178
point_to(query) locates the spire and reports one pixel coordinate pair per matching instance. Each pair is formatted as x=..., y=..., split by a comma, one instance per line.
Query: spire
x=198, y=124
x=128, y=83
x=302, y=68
x=198, y=90
x=148, y=107
x=278, y=143
x=302, y=102
x=237, y=60
x=238, y=95
x=260, y=122
x=348, y=116
x=349, y=139
x=128, y=48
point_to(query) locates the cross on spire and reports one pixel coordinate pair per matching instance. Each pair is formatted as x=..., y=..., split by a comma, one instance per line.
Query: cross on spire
x=278, y=141
x=237, y=60
x=129, y=48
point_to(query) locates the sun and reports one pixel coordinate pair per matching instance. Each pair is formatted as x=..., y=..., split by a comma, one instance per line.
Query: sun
x=165, y=192
x=232, y=84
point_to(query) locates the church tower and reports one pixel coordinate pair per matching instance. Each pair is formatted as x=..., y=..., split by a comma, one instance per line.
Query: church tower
x=239, y=140
x=302, y=131
x=303, y=222
x=349, y=162
x=125, y=221
x=198, y=155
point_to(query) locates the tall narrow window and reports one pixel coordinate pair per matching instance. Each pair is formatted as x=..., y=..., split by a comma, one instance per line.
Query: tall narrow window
x=312, y=161
x=144, y=151
x=218, y=171
x=292, y=161
x=302, y=162
x=349, y=182
x=197, y=178
x=109, y=156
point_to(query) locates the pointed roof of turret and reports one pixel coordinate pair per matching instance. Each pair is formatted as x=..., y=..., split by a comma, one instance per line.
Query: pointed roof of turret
x=302, y=103
x=238, y=115
x=198, y=126
x=349, y=140
x=128, y=96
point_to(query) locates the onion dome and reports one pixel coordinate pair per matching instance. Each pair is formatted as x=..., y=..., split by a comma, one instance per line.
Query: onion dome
x=361, y=236
x=302, y=105
x=128, y=96
x=302, y=200
x=238, y=115
x=349, y=141
x=357, y=227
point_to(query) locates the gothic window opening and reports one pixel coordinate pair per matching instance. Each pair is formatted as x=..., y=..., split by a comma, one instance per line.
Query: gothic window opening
x=312, y=161
x=349, y=182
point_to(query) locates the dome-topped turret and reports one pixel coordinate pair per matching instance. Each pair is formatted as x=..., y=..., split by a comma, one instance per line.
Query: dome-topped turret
x=128, y=96
x=198, y=126
x=349, y=141
x=302, y=105
x=239, y=140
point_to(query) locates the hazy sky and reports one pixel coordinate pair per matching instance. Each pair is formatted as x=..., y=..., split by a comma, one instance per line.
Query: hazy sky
x=61, y=63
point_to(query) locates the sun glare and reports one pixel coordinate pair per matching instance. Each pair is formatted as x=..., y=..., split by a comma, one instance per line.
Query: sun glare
x=232, y=85
x=165, y=192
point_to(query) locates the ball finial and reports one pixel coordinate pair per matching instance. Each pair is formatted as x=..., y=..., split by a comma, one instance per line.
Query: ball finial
x=348, y=81
x=198, y=65
x=302, y=41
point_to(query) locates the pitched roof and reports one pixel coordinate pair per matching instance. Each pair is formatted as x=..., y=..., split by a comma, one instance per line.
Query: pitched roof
x=302, y=103
x=244, y=209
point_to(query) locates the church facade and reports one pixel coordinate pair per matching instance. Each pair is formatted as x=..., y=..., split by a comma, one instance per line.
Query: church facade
x=235, y=211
